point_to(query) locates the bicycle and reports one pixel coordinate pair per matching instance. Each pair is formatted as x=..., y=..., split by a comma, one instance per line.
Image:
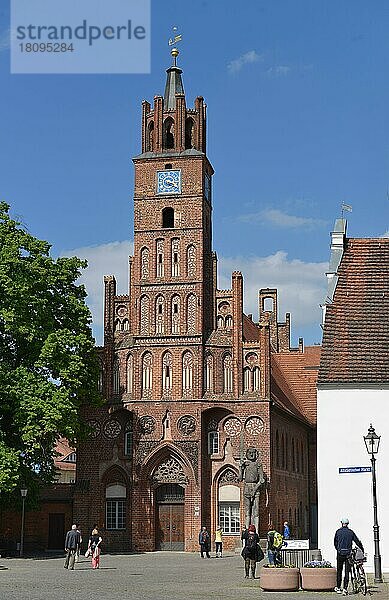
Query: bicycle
x=357, y=572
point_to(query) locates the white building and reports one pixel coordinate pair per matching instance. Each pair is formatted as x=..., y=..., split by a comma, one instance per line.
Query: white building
x=353, y=392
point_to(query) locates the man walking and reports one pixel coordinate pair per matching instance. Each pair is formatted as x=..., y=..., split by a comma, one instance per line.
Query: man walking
x=343, y=541
x=72, y=543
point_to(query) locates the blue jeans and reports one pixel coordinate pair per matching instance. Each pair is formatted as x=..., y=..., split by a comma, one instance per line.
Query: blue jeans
x=274, y=557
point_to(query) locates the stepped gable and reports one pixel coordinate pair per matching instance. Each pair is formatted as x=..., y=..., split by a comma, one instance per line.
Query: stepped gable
x=300, y=370
x=356, y=333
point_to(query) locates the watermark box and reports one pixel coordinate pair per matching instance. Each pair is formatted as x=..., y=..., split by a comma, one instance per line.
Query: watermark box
x=80, y=36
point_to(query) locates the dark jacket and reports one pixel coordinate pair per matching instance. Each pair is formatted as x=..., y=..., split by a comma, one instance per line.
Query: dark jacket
x=205, y=539
x=251, y=546
x=72, y=540
x=343, y=541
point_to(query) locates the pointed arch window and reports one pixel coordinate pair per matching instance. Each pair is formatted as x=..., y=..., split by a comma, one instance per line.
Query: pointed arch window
x=220, y=322
x=144, y=315
x=130, y=373
x=167, y=373
x=147, y=374
x=191, y=261
x=144, y=263
x=256, y=379
x=168, y=133
x=191, y=310
x=209, y=373
x=160, y=315
x=175, y=314
x=228, y=322
x=160, y=258
x=175, y=258
x=227, y=374
x=115, y=495
x=247, y=379
x=150, y=137
x=277, y=449
x=187, y=374
x=126, y=325
x=128, y=440
x=116, y=377
x=189, y=130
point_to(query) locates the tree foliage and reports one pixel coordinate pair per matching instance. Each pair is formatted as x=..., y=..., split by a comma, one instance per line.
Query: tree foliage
x=48, y=366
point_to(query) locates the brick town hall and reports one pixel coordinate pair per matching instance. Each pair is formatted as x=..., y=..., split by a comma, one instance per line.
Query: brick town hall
x=190, y=381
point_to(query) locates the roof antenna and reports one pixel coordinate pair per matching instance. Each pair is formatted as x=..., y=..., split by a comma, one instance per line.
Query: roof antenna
x=177, y=37
x=345, y=208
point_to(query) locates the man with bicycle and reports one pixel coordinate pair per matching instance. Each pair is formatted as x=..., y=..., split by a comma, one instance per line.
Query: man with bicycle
x=343, y=541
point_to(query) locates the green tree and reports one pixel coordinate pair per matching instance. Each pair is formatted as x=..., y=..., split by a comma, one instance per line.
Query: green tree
x=48, y=364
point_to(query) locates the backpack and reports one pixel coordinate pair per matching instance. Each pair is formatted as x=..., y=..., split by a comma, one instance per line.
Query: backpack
x=251, y=542
x=278, y=540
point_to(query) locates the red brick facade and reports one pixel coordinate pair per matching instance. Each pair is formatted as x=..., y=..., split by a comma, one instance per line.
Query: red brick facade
x=184, y=369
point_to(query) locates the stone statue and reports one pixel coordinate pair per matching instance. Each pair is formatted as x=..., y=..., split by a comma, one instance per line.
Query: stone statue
x=251, y=472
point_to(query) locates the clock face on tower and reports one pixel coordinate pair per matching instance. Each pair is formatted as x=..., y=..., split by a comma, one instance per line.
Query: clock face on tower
x=169, y=182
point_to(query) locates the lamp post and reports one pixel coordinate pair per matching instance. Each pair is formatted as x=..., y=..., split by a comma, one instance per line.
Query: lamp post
x=372, y=442
x=23, y=493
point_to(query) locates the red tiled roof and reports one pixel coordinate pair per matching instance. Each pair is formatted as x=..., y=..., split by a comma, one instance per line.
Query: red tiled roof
x=62, y=450
x=295, y=373
x=356, y=331
x=250, y=330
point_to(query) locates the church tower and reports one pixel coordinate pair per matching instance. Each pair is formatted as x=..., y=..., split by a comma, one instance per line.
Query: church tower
x=172, y=283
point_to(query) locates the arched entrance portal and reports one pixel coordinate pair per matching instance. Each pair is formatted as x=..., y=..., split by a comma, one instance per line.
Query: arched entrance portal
x=170, y=501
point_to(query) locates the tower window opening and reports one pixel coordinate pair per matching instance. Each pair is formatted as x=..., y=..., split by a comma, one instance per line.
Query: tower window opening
x=168, y=166
x=268, y=304
x=175, y=308
x=175, y=257
x=188, y=133
x=168, y=217
x=168, y=136
x=160, y=309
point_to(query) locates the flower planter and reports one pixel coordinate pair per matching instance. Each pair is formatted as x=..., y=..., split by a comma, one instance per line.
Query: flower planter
x=318, y=580
x=280, y=579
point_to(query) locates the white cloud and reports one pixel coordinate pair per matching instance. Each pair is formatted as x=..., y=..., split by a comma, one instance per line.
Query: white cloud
x=279, y=70
x=279, y=218
x=249, y=57
x=107, y=259
x=301, y=285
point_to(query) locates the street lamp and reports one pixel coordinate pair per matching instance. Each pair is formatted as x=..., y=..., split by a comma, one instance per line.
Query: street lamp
x=372, y=442
x=23, y=493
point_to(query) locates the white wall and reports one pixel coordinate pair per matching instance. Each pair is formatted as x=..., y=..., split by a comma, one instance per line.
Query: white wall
x=344, y=417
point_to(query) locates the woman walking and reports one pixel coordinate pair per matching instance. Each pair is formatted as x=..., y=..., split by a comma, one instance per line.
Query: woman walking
x=94, y=548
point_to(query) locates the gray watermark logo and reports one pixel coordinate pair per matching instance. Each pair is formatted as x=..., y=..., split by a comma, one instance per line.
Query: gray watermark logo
x=80, y=36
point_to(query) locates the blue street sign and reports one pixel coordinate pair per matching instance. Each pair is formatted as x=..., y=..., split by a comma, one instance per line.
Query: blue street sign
x=354, y=469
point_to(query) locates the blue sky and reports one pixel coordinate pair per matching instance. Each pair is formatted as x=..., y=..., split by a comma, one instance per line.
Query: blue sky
x=297, y=95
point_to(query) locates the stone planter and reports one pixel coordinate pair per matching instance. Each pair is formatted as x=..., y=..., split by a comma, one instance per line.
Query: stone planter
x=318, y=580
x=280, y=579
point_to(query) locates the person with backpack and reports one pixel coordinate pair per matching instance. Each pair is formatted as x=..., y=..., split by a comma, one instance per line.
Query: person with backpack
x=252, y=552
x=274, y=544
x=205, y=542
x=343, y=541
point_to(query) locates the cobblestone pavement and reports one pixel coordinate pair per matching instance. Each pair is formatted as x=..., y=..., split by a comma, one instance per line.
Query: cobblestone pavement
x=152, y=576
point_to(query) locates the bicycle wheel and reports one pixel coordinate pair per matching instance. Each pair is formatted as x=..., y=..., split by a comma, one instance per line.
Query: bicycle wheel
x=362, y=584
x=354, y=581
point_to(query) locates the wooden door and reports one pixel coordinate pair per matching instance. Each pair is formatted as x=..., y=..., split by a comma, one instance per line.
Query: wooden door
x=56, y=539
x=170, y=518
x=170, y=527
